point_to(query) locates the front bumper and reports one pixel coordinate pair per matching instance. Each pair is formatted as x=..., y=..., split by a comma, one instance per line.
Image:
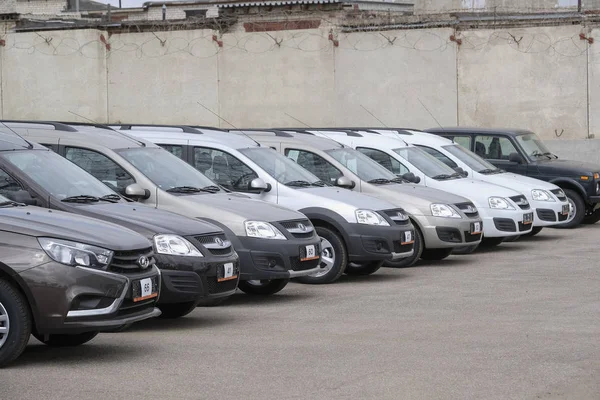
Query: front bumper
x=376, y=243
x=74, y=299
x=440, y=233
x=194, y=279
x=504, y=223
x=276, y=259
x=548, y=213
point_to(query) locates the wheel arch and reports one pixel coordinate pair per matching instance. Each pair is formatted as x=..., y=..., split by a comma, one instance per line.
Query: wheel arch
x=565, y=183
x=19, y=284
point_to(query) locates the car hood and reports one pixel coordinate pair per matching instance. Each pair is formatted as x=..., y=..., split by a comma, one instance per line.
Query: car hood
x=147, y=220
x=560, y=167
x=354, y=199
x=42, y=222
x=520, y=183
x=475, y=190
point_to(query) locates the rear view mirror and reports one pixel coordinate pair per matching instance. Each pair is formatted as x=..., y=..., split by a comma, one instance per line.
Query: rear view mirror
x=257, y=184
x=136, y=192
x=409, y=176
x=345, y=182
x=461, y=171
x=22, y=196
x=516, y=158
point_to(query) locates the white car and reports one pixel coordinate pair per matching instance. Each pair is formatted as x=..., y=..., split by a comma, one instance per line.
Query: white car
x=505, y=212
x=548, y=200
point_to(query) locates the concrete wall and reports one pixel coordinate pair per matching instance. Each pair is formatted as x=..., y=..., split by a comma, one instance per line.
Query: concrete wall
x=442, y=6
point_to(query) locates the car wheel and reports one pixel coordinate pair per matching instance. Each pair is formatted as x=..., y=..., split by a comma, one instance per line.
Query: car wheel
x=334, y=258
x=491, y=242
x=262, y=287
x=465, y=249
x=367, y=268
x=591, y=217
x=176, y=310
x=417, y=251
x=534, y=231
x=576, y=210
x=436, y=254
x=15, y=323
x=66, y=340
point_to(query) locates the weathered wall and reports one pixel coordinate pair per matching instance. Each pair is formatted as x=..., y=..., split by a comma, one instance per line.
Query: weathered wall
x=441, y=6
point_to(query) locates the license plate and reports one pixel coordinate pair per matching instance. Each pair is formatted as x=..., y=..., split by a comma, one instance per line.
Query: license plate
x=475, y=228
x=565, y=210
x=147, y=290
x=310, y=253
x=527, y=218
x=228, y=273
x=407, y=238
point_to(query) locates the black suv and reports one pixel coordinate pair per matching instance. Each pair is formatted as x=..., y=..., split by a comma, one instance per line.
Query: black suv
x=196, y=258
x=523, y=152
x=65, y=277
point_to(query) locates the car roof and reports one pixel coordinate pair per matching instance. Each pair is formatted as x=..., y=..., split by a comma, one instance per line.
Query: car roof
x=474, y=130
x=422, y=138
x=316, y=142
x=102, y=134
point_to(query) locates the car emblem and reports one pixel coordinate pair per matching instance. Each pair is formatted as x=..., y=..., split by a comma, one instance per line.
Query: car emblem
x=143, y=262
x=219, y=241
x=302, y=227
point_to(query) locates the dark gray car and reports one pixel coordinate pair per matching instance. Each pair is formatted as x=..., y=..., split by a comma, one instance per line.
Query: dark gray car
x=66, y=277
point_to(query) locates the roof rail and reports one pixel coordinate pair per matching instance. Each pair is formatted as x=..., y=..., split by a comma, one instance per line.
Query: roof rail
x=348, y=132
x=90, y=124
x=277, y=132
x=212, y=128
x=59, y=126
x=184, y=128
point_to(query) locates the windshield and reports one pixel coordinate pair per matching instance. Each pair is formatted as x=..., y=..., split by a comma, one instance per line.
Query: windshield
x=426, y=163
x=166, y=171
x=533, y=146
x=361, y=165
x=279, y=166
x=472, y=160
x=57, y=175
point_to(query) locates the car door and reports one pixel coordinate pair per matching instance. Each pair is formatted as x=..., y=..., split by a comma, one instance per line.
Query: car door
x=497, y=150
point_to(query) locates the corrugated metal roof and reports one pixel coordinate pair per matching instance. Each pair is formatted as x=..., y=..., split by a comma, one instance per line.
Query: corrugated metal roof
x=275, y=3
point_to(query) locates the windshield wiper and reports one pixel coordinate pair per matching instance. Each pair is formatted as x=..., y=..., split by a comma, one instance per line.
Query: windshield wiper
x=211, y=189
x=320, y=183
x=550, y=155
x=82, y=198
x=184, y=189
x=442, y=177
x=398, y=180
x=298, y=183
x=112, y=198
x=11, y=203
x=487, y=171
x=379, y=181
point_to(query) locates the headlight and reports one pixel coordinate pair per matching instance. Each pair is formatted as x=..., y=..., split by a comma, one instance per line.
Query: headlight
x=541, y=195
x=175, y=246
x=76, y=254
x=369, y=217
x=500, y=203
x=263, y=230
x=443, y=210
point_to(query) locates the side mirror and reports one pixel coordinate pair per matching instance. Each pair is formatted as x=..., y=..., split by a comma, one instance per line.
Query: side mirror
x=345, y=182
x=516, y=158
x=409, y=176
x=257, y=184
x=461, y=171
x=22, y=196
x=136, y=192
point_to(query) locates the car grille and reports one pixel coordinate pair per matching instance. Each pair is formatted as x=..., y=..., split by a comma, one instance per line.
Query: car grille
x=505, y=224
x=301, y=229
x=125, y=262
x=546, y=215
x=521, y=201
x=468, y=209
x=217, y=245
x=559, y=194
x=298, y=265
x=396, y=215
x=215, y=286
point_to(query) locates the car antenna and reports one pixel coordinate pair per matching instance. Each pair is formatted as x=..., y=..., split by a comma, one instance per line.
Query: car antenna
x=427, y=109
x=310, y=127
x=373, y=115
x=114, y=130
x=29, y=144
x=223, y=119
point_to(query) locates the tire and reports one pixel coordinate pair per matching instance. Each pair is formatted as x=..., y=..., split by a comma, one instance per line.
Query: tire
x=176, y=310
x=592, y=217
x=354, y=269
x=264, y=287
x=491, y=242
x=534, y=231
x=417, y=251
x=15, y=323
x=66, y=340
x=465, y=249
x=436, y=254
x=577, y=210
x=334, y=257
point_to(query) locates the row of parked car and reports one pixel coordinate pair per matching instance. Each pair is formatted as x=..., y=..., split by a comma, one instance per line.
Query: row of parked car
x=104, y=226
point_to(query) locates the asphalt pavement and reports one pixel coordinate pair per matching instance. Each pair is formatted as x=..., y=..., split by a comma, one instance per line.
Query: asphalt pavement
x=520, y=321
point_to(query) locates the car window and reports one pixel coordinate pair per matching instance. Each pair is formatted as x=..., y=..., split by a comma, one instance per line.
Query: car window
x=464, y=141
x=223, y=168
x=440, y=156
x=278, y=166
x=101, y=167
x=173, y=149
x=316, y=164
x=494, y=147
x=384, y=159
x=8, y=185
